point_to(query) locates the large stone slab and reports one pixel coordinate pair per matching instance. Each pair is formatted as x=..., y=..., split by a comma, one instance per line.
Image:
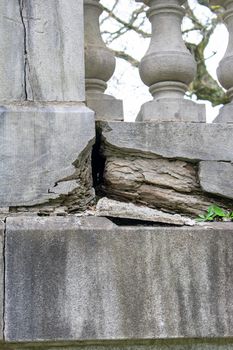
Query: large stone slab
x=43, y=149
x=54, y=38
x=2, y=229
x=217, y=178
x=193, y=141
x=68, y=279
x=12, y=52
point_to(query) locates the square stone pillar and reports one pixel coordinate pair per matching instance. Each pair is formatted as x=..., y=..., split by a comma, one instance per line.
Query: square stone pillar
x=45, y=128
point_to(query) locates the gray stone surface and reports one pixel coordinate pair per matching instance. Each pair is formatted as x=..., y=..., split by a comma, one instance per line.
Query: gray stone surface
x=106, y=107
x=2, y=229
x=175, y=344
x=11, y=52
x=217, y=178
x=165, y=184
x=112, y=208
x=54, y=38
x=225, y=114
x=172, y=109
x=68, y=282
x=41, y=146
x=194, y=141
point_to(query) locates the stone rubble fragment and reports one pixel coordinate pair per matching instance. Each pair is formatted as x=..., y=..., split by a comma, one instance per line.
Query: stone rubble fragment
x=112, y=208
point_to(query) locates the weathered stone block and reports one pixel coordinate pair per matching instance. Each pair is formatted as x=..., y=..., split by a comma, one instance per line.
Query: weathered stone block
x=2, y=228
x=166, y=184
x=193, y=141
x=45, y=153
x=173, y=110
x=217, y=178
x=69, y=281
x=12, y=52
x=116, y=209
x=225, y=114
x=106, y=107
x=54, y=39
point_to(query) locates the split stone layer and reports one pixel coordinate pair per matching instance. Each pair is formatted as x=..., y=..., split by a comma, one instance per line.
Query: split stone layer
x=174, y=167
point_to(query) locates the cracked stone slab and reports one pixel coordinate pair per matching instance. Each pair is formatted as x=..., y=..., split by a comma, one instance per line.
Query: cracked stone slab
x=54, y=42
x=217, y=178
x=40, y=146
x=192, y=141
x=2, y=229
x=11, y=52
x=67, y=280
x=112, y=208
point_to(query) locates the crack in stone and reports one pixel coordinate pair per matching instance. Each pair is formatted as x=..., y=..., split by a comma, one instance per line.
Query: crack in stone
x=4, y=278
x=21, y=6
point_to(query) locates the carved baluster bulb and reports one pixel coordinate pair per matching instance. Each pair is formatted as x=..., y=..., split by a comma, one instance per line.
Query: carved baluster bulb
x=100, y=65
x=168, y=67
x=99, y=60
x=225, y=69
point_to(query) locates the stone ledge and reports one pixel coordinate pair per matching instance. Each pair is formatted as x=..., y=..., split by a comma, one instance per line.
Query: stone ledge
x=69, y=279
x=192, y=141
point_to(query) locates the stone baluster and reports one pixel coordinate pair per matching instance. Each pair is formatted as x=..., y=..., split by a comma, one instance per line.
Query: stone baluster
x=168, y=67
x=225, y=69
x=99, y=66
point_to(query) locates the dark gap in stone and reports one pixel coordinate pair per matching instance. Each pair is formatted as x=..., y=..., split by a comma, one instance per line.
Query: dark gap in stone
x=98, y=163
x=134, y=222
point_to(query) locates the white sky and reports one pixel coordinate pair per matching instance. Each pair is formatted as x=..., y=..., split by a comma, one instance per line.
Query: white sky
x=126, y=83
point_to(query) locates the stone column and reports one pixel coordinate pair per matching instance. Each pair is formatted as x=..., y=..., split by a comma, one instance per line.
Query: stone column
x=99, y=66
x=168, y=67
x=44, y=124
x=225, y=69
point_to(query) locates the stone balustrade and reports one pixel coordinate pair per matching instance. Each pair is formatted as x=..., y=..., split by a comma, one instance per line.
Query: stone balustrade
x=225, y=69
x=168, y=67
x=99, y=66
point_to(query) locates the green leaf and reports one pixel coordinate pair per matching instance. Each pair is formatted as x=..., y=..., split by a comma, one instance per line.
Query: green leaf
x=219, y=212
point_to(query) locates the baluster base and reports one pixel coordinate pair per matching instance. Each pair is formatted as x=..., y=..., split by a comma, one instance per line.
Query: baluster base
x=225, y=114
x=172, y=109
x=106, y=107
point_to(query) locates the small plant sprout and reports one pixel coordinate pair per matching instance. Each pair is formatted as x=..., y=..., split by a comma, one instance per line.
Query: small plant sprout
x=215, y=213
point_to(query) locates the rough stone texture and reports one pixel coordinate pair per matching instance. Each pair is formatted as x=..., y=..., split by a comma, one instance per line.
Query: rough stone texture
x=106, y=107
x=44, y=150
x=164, y=184
x=175, y=344
x=69, y=281
x=217, y=178
x=11, y=52
x=225, y=114
x=173, y=110
x=194, y=141
x=2, y=228
x=111, y=208
x=54, y=39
